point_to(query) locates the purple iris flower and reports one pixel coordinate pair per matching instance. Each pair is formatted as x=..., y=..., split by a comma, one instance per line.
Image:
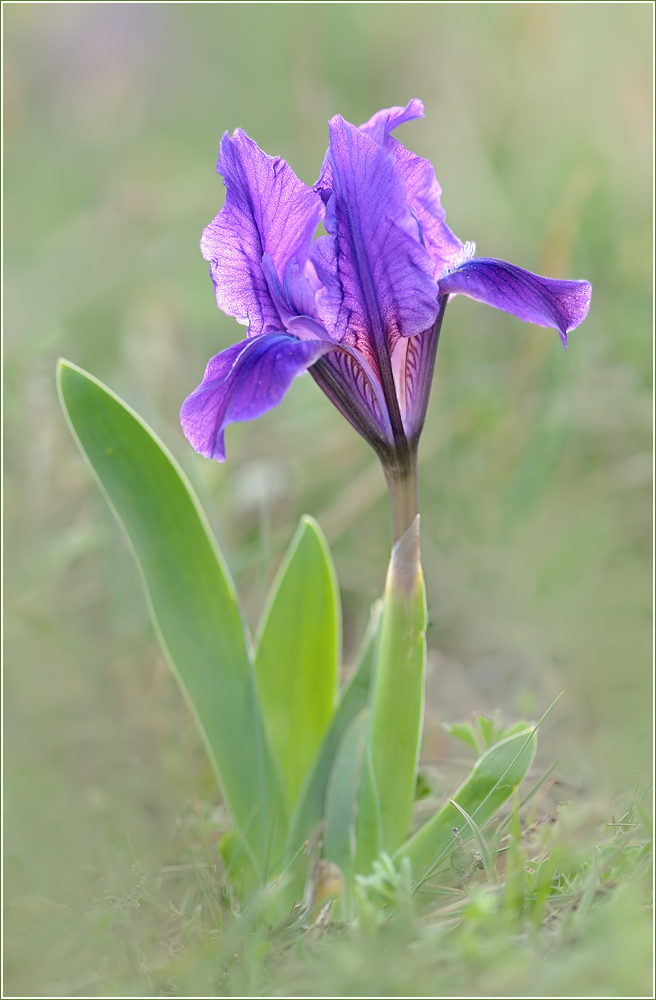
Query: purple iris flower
x=361, y=308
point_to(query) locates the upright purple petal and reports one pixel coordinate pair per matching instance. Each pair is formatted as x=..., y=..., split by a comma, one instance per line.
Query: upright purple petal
x=330, y=297
x=413, y=364
x=544, y=301
x=386, y=275
x=377, y=128
x=242, y=383
x=424, y=192
x=295, y=295
x=385, y=121
x=267, y=210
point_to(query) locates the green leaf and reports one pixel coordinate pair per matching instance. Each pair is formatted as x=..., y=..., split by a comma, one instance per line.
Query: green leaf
x=309, y=810
x=191, y=598
x=493, y=780
x=298, y=653
x=516, y=727
x=390, y=767
x=341, y=796
x=465, y=732
x=489, y=729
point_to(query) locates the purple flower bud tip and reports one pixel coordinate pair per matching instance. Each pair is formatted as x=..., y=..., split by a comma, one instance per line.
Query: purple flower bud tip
x=360, y=307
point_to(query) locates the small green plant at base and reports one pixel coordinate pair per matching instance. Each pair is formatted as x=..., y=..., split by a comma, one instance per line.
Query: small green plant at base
x=578, y=917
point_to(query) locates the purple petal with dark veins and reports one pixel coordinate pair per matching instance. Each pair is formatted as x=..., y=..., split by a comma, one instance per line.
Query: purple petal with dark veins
x=377, y=128
x=386, y=276
x=242, y=383
x=423, y=190
x=424, y=195
x=267, y=210
x=413, y=364
x=348, y=381
x=544, y=301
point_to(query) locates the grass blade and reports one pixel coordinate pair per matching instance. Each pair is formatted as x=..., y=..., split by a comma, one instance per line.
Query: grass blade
x=486, y=857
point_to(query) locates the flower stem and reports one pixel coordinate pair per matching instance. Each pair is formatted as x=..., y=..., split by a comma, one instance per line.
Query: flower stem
x=401, y=476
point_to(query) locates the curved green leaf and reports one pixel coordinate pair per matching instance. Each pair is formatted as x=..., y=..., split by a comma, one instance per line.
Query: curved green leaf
x=298, y=653
x=493, y=780
x=191, y=597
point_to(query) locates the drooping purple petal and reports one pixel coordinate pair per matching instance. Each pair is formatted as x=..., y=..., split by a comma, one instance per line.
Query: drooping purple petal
x=242, y=383
x=267, y=210
x=386, y=275
x=544, y=301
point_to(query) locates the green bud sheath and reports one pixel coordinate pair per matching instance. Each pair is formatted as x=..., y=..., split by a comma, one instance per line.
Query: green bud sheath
x=389, y=769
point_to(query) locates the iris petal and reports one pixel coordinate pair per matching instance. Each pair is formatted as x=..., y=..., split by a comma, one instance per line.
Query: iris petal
x=349, y=382
x=267, y=210
x=242, y=383
x=424, y=193
x=532, y=298
x=361, y=307
x=413, y=363
x=385, y=121
x=385, y=274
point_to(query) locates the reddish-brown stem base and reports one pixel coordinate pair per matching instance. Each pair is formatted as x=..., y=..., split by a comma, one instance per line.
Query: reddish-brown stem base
x=403, y=492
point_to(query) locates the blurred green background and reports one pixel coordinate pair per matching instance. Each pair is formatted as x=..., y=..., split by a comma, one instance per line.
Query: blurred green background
x=535, y=462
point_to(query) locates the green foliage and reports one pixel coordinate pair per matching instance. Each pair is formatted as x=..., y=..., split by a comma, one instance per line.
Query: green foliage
x=579, y=925
x=194, y=609
x=482, y=853
x=483, y=732
x=386, y=892
x=493, y=780
x=298, y=654
x=388, y=781
x=191, y=597
x=310, y=808
x=341, y=798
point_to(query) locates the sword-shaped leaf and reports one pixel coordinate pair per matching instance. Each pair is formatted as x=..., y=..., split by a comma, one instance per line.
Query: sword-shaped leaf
x=341, y=798
x=298, y=653
x=310, y=806
x=191, y=597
